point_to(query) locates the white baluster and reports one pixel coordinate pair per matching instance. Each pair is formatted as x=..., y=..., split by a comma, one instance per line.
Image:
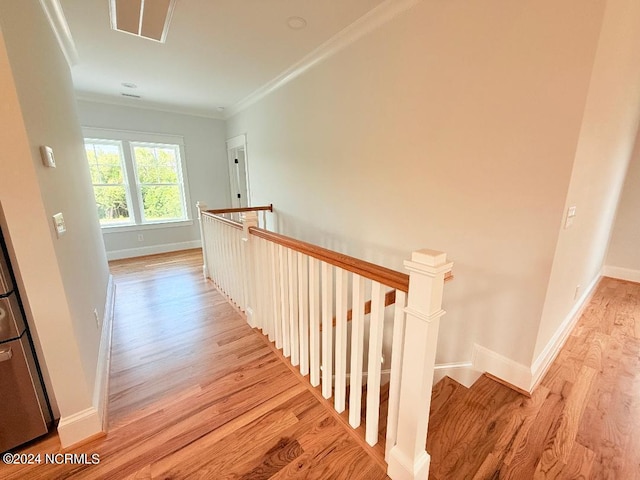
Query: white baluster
x=303, y=312
x=408, y=458
x=275, y=292
x=314, y=322
x=222, y=270
x=357, y=350
x=284, y=301
x=293, y=307
x=342, y=287
x=247, y=264
x=327, y=329
x=376, y=329
x=265, y=277
x=201, y=208
x=396, y=371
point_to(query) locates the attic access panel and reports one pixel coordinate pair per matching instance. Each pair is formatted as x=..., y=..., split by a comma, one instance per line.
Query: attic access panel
x=143, y=18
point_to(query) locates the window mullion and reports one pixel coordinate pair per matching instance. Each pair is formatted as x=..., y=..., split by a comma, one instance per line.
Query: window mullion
x=133, y=192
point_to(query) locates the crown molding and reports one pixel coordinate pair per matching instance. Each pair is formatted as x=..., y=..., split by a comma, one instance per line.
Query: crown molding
x=60, y=27
x=142, y=104
x=369, y=22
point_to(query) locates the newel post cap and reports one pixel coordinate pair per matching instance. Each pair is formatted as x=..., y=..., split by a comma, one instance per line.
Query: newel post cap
x=432, y=258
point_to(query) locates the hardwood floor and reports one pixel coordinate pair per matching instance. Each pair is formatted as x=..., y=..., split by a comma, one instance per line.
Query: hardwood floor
x=582, y=422
x=196, y=393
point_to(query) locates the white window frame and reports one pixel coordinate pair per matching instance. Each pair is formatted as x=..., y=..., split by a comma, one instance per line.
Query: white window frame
x=125, y=180
x=126, y=139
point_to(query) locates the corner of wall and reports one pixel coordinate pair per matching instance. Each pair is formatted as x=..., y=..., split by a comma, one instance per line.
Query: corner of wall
x=621, y=273
x=79, y=427
x=101, y=389
x=515, y=373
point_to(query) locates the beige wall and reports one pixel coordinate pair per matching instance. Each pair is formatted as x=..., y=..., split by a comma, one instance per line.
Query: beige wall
x=452, y=127
x=606, y=141
x=63, y=279
x=624, y=250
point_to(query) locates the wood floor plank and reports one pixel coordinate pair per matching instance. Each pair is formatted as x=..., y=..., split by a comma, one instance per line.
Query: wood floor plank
x=196, y=393
x=584, y=416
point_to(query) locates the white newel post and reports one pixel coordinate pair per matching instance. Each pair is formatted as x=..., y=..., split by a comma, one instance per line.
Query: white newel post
x=408, y=459
x=249, y=219
x=201, y=208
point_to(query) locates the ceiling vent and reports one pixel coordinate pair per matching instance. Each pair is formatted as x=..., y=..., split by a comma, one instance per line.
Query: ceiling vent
x=142, y=18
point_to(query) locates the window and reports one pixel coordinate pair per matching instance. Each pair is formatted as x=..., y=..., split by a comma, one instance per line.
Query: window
x=135, y=181
x=159, y=181
x=109, y=181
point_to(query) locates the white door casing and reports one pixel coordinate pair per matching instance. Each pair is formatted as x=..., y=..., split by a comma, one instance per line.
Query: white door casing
x=238, y=171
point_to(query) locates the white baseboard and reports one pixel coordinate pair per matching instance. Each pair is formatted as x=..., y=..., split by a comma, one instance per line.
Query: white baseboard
x=461, y=372
x=555, y=344
x=79, y=427
x=101, y=389
x=504, y=368
x=152, y=250
x=524, y=377
x=622, y=273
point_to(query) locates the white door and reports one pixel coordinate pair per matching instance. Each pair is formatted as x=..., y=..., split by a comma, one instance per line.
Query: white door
x=238, y=173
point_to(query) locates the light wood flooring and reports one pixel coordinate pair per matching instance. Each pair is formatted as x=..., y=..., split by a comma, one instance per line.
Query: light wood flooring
x=196, y=393
x=582, y=422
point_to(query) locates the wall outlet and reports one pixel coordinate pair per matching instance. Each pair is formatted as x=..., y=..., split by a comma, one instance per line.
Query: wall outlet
x=577, y=292
x=97, y=317
x=140, y=237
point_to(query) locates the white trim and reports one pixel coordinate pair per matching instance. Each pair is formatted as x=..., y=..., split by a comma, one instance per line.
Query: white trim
x=60, y=27
x=237, y=141
x=555, y=344
x=145, y=105
x=233, y=143
x=510, y=371
x=369, y=22
x=80, y=426
x=132, y=227
x=152, y=250
x=97, y=133
x=101, y=389
x=461, y=372
x=621, y=273
x=519, y=375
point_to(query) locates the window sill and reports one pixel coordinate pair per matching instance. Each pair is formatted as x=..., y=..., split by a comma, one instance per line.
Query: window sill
x=145, y=226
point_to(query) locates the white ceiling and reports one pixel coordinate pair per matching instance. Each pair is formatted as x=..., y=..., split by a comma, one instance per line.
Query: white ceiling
x=217, y=51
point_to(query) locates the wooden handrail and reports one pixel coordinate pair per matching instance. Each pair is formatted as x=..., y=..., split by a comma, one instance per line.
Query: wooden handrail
x=383, y=275
x=219, y=211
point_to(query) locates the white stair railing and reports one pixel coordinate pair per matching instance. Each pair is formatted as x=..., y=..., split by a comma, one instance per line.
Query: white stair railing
x=302, y=297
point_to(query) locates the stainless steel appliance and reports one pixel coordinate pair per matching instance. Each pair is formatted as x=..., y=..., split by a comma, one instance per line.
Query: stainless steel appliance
x=25, y=412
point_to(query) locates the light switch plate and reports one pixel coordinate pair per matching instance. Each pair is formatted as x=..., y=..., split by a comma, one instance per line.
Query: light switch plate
x=47, y=156
x=571, y=213
x=58, y=223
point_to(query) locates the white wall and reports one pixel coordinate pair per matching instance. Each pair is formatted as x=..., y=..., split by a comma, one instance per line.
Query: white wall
x=64, y=279
x=623, y=258
x=452, y=127
x=607, y=137
x=206, y=164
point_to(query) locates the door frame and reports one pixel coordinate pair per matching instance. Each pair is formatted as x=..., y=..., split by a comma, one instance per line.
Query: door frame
x=239, y=141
